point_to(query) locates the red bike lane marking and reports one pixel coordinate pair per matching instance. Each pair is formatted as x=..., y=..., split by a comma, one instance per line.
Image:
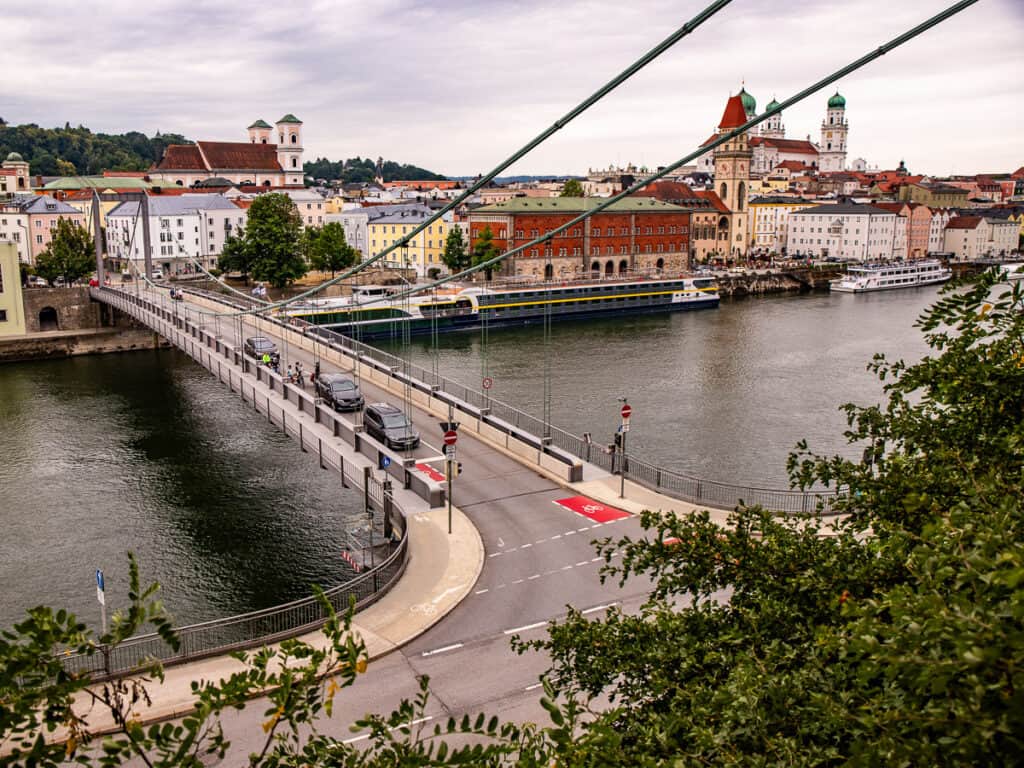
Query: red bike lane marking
x=594, y=510
x=430, y=472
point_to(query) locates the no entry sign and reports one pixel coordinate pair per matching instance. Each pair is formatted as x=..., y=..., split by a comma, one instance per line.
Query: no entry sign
x=627, y=411
x=451, y=437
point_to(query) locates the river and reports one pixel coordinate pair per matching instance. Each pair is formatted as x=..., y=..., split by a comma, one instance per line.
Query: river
x=146, y=452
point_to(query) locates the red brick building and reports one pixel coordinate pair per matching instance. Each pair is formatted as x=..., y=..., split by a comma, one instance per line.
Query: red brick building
x=637, y=233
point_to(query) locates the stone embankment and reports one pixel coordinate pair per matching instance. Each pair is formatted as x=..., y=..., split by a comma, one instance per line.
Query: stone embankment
x=775, y=281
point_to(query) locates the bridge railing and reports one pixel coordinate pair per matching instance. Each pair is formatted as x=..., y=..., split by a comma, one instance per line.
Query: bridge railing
x=667, y=481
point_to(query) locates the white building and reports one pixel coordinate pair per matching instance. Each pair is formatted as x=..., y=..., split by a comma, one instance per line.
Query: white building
x=14, y=229
x=183, y=229
x=937, y=232
x=310, y=205
x=848, y=231
x=354, y=221
x=768, y=222
x=976, y=237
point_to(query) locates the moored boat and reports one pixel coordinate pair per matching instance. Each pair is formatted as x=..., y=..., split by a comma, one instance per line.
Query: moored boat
x=864, y=278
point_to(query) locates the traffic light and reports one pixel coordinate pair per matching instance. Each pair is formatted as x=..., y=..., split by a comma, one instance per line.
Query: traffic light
x=618, y=439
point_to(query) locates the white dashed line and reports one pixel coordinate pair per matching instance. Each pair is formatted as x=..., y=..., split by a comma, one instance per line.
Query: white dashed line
x=436, y=651
x=570, y=533
x=533, y=687
x=581, y=530
x=582, y=562
x=519, y=581
x=495, y=554
x=481, y=591
x=535, y=576
x=598, y=608
x=595, y=559
x=528, y=626
x=558, y=536
x=526, y=546
x=566, y=567
x=411, y=722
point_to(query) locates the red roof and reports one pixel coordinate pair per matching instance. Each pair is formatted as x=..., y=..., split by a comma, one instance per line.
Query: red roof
x=711, y=138
x=239, y=156
x=181, y=157
x=891, y=207
x=799, y=146
x=964, y=222
x=1018, y=174
x=713, y=198
x=793, y=165
x=734, y=115
x=674, y=192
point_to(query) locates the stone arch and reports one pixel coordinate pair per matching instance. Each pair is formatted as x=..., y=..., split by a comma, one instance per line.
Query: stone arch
x=266, y=183
x=722, y=194
x=48, y=319
x=295, y=138
x=609, y=267
x=549, y=272
x=660, y=264
x=623, y=266
x=596, y=267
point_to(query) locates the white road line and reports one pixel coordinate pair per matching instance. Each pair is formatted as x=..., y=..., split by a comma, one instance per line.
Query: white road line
x=582, y=530
x=533, y=687
x=495, y=554
x=597, y=608
x=528, y=626
x=582, y=562
x=535, y=576
x=519, y=581
x=526, y=546
x=481, y=591
x=540, y=541
x=557, y=536
x=366, y=735
x=566, y=567
x=500, y=586
x=452, y=647
x=570, y=533
x=596, y=559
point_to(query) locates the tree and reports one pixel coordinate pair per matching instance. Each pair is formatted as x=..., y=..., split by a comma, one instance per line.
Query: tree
x=236, y=256
x=327, y=250
x=484, y=249
x=895, y=641
x=273, y=237
x=455, y=256
x=572, y=188
x=70, y=254
x=65, y=168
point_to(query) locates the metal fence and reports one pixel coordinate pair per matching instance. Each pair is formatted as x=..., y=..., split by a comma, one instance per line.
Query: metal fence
x=669, y=482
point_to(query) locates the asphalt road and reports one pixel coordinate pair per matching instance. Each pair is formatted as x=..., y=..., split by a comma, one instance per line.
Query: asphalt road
x=539, y=558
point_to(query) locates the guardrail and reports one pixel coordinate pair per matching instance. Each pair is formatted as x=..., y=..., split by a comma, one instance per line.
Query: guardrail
x=669, y=482
x=271, y=624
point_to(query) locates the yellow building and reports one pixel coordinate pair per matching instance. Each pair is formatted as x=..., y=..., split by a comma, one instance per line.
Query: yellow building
x=769, y=222
x=333, y=204
x=423, y=253
x=12, y=308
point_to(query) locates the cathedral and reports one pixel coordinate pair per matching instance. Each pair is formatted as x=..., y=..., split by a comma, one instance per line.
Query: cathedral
x=770, y=147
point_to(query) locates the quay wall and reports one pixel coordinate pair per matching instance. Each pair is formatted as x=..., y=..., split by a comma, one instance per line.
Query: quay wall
x=89, y=341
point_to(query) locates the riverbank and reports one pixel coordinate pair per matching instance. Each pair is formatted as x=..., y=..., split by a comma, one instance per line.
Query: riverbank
x=50, y=345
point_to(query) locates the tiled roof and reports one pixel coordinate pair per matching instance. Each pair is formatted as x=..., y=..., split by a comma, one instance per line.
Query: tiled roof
x=1018, y=174
x=239, y=156
x=711, y=138
x=181, y=157
x=674, y=192
x=800, y=146
x=793, y=165
x=97, y=182
x=573, y=205
x=261, y=124
x=44, y=204
x=863, y=209
x=891, y=207
x=175, y=205
x=734, y=115
x=289, y=118
x=714, y=199
x=964, y=222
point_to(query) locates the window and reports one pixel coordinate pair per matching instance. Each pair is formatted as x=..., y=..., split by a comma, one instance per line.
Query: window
x=3, y=315
x=179, y=222
x=596, y=232
x=39, y=239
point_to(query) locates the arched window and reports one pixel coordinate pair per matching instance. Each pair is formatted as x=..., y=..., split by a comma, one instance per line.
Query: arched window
x=609, y=268
x=722, y=193
x=549, y=271
x=282, y=138
x=263, y=140
x=21, y=182
x=660, y=264
x=266, y=183
x=596, y=267
x=623, y=267
x=48, y=319
x=295, y=138
x=742, y=197
x=295, y=162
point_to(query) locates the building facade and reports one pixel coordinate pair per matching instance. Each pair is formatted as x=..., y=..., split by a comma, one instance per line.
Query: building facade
x=940, y=217
x=423, y=253
x=845, y=231
x=34, y=220
x=259, y=161
x=977, y=237
x=834, y=128
x=732, y=176
x=633, y=234
x=768, y=222
x=12, y=308
x=918, y=224
x=14, y=175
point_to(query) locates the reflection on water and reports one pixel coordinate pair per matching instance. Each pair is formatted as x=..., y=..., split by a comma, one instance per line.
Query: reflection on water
x=147, y=452
x=724, y=394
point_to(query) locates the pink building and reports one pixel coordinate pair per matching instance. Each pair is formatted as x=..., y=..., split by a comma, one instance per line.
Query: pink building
x=40, y=215
x=918, y=227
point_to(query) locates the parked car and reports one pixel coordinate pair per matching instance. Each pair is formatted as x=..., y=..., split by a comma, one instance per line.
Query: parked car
x=258, y=346
x=390, y=426
x=339, y=391
x=157, y=274
x=35, y=281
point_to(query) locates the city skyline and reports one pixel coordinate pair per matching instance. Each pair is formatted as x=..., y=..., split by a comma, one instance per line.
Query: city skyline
x=439, y=88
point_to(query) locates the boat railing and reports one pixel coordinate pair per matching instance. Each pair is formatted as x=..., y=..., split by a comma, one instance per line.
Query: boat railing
x=577, y=278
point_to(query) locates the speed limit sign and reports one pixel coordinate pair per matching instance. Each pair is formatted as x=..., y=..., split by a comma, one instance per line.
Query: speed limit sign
x=488, y=382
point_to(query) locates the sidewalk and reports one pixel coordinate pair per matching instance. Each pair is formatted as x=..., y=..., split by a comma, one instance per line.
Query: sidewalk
x=440, y=573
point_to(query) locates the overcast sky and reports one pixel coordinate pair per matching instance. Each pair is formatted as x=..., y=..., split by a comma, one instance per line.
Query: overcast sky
x=456, y=85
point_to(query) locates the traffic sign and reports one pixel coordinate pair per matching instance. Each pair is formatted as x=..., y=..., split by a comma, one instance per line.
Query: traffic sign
x=385, y=461
x=488, y=382
x=451, y=437
x=449, y=426
x=449, y=452
x=100, y=591
x=627, y=411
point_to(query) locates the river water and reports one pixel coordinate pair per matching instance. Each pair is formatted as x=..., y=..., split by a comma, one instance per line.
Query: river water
x=147, y=452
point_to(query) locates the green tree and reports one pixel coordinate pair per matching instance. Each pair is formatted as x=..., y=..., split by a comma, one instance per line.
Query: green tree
x=572, y=188
x=455, y=256
x=236, y=256
x=70, y=254
x=273, y=236
x=331, y=250
x=485, y=249
x=895, y=640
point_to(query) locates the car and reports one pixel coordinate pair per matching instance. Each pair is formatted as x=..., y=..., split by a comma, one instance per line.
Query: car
x=35, y=281
x=258, y=346
x=339, y=391
x=157, y=274
x=126, y=276
x=390, y=426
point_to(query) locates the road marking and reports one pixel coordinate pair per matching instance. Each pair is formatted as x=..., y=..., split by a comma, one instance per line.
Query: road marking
x=595, y=510
x=596, y=559
x=527, y=627
x=495, y=554
x=597, y=608
x=582, y=562
x=571, y=533
x=566, y=567
x=500, y=586
x=519, y=581
x=403, y=725
x=541, y=541
x=421, y=518
x=481, y=591
x=535, y=576
x=448, y=591
x=556, y=537
x=452, y=647
x=501, y=542
x=583, y=530
x=533, y=687
x=526, y=546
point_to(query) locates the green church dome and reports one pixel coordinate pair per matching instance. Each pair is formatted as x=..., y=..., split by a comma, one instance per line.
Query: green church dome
x=14, y=157
x=772, y=104
x=837, y=102
x=749, y=103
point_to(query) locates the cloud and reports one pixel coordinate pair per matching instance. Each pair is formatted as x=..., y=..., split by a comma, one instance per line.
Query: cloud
x=456, y=86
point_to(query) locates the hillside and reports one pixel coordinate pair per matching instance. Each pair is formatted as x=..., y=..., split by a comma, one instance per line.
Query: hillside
x=67, y=151
x=358, y=169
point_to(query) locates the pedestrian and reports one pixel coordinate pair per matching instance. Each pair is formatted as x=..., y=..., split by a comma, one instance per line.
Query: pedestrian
x=266, y=359
x=290, y=375
x=316, y=371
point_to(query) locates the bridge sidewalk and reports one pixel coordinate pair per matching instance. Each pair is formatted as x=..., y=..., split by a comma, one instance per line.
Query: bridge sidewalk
x=441, y=571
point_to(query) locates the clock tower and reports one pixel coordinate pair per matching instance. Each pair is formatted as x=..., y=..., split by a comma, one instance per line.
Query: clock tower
x=732, y=180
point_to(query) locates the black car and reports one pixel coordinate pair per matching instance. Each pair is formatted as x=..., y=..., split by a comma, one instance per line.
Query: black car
x=391, y=426
x=339, y=391
x=258, y=346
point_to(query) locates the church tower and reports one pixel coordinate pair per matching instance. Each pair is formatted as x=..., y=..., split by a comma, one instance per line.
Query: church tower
x=772, y=128
x=732, y=179
x=259, y=132
x=289, y=149
x=832, y=152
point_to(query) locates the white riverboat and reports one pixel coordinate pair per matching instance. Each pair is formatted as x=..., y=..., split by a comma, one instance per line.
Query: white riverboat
x=887, y=277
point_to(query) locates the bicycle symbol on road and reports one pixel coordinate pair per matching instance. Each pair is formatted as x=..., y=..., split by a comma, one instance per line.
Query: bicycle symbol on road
x=427, y=609
x=592, y=508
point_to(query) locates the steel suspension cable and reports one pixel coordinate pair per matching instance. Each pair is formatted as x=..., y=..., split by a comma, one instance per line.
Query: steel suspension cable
x=685, y=30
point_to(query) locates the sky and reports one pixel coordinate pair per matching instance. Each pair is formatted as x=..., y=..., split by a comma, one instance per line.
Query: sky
x=456, y=86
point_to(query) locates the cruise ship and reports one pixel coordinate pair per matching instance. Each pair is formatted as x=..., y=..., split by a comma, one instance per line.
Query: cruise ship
x=887, y=277
x=373, y=312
